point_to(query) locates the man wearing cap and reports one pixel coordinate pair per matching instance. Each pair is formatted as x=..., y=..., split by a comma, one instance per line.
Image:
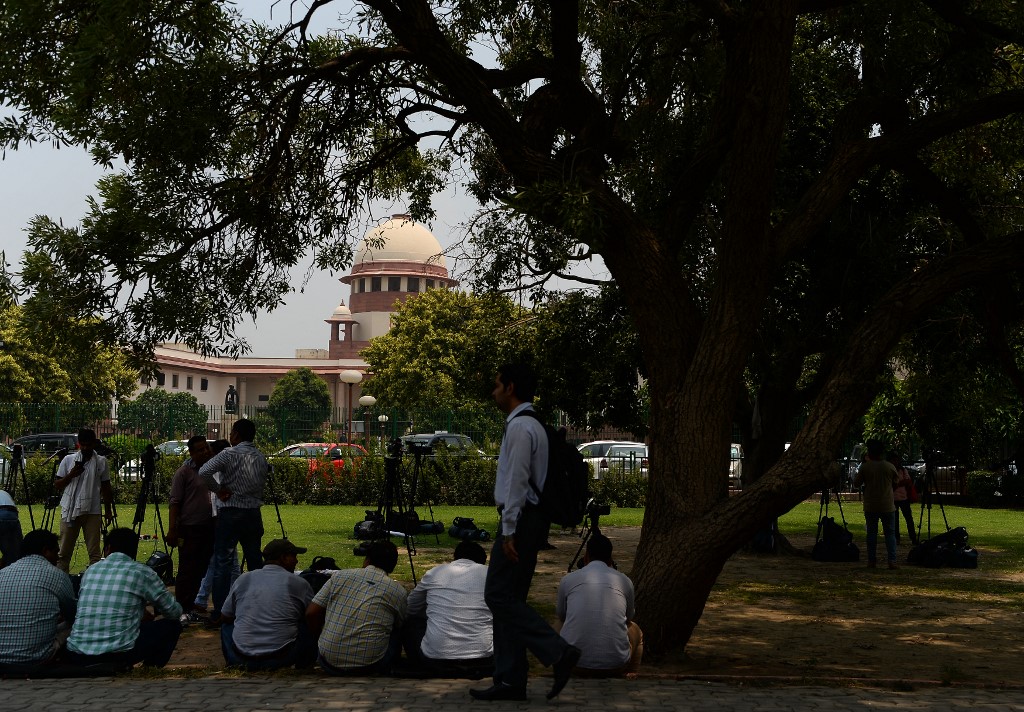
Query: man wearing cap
x=264, y=625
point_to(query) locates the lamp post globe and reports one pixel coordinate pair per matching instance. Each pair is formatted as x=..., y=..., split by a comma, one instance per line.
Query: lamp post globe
x=351, y=378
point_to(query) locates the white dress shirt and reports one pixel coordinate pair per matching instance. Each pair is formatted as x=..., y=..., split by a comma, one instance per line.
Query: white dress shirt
x=523, y=456
x=82, y=496
x=596, y=603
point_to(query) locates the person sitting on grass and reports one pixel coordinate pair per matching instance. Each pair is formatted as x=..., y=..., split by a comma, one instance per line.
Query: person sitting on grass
x=358, y=614
x=264, y=624
x=113, y=628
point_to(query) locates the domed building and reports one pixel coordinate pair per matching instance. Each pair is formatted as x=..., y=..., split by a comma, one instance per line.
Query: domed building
x=396, y=260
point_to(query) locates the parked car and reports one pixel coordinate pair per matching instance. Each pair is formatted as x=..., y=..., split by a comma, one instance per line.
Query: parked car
x=47, y=442
x=454, y=443
x=605, y=456
x=132, y=470
x=340, y=454
x=735, y=466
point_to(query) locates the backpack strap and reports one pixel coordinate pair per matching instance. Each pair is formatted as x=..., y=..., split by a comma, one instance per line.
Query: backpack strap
x=533, y=414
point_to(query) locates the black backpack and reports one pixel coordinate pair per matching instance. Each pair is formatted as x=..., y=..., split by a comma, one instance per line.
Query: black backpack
x=834, y=542
x=565, y=495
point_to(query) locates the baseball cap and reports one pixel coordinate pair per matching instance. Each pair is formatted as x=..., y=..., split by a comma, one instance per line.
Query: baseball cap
x=279, y=547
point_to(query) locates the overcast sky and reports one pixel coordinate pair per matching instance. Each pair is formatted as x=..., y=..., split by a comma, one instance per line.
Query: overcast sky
x=43, y=181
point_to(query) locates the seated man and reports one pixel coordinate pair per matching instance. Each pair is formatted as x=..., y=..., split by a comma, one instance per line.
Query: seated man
x=264, y=623
x=449, y=629
x=113, y=626
x=36, y=597
x=595, y=605
x=357, y=616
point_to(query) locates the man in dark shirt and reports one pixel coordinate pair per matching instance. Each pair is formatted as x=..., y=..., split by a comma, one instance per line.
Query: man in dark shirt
x=191, y=527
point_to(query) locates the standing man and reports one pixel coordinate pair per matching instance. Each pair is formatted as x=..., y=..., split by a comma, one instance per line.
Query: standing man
x=595, y=605
x=10, y=530
x=191, y=526
x=83, y=479
x=878, y=477
x=522, y=470
x=243, y=470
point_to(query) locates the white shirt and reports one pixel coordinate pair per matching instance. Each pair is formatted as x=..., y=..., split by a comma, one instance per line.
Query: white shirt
x=596, y=603
x=82, y=496
x=523, y=456
x=459, y=624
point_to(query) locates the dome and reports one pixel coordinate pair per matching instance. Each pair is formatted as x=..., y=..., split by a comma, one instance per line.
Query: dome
x=400, y=238
x=341, y=310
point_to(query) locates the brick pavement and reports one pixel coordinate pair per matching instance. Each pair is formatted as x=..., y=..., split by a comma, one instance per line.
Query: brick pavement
x=383, y=695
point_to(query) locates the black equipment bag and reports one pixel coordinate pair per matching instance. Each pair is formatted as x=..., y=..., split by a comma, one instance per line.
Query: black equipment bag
x=161, y=562
x=318, y=572
x=565, y=494
x=950, y=548
x=835, y=543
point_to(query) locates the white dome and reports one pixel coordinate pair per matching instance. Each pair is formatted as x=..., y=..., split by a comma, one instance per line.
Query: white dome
x=341, y=310
x=402, y=239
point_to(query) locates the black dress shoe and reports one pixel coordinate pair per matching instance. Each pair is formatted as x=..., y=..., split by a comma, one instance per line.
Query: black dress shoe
x=563, y=669
x=499, y=692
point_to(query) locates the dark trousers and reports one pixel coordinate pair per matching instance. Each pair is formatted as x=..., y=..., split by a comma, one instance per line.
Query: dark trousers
x=234, y=526
x=383, y=666
x=154, y=647
x=301, y=652
x=10, y=537
x=905, y=507
x=194, y=555
x=517, y=627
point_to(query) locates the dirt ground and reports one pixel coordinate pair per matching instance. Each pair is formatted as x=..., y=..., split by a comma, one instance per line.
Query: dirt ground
x=790, y=618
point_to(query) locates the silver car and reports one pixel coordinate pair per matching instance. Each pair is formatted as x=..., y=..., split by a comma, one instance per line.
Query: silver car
x=614, y=456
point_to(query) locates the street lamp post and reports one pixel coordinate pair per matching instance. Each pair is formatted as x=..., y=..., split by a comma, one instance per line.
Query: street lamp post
x=351, y=378
x=383, y=420
x=367, y=402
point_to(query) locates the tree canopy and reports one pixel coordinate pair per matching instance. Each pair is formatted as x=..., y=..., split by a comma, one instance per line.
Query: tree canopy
x=158, y=414
x=300, y=403
x=780, y=189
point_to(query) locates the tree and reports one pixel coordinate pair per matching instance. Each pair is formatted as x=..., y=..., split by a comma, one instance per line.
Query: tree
x=780, y=191
x=300, y=404
x=444, y=348
x=157, y=414
x=54, y=367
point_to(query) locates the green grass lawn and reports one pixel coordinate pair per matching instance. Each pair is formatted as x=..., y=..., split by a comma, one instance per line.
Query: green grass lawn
x=328, y=530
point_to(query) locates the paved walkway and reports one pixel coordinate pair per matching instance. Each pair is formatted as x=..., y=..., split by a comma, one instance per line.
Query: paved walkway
x=385, y=695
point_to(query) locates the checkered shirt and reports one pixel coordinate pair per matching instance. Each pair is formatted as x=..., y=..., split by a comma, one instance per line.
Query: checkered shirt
x=33, y=592
x=111, y=601
x=363, y=607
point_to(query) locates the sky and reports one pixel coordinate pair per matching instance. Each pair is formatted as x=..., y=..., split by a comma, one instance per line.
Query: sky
x=41, y=180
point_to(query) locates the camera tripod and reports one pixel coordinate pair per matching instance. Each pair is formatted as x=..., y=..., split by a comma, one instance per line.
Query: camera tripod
x=11, y=484
x=392, y=518
x=930, y=491
x=591, y=525
x=823, y=509
x=148, y=492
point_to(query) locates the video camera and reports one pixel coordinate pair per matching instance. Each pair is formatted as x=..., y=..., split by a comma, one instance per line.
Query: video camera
x=463, y=528
x=595, y=509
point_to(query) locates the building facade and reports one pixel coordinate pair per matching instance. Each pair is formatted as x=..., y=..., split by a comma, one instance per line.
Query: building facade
x=395, y=261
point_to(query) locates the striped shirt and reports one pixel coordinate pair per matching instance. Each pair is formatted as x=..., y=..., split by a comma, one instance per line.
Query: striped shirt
x=363, y=607
x=33, y=593
x=243, y=470
x=111, y=602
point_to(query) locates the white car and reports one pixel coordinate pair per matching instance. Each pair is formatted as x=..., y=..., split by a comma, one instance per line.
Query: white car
x=132, y=470
x=618, y=456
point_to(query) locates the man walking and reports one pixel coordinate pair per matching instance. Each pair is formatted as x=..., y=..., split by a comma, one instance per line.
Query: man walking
x=878, y=477
x=243, y=470
x=83, y=479
x=522, y=470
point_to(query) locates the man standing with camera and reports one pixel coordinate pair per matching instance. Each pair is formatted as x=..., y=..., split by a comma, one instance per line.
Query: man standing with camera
x=83, y=479
x=522, y=470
